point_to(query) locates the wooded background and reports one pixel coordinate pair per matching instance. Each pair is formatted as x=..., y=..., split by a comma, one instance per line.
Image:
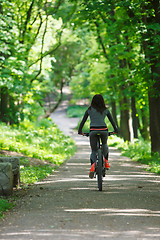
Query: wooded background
x=110, y=47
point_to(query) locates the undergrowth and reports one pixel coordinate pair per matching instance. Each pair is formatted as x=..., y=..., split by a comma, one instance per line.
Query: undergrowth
x=34, y=173
x=5, y=205
x=76, y=111
x=139, y=150
x=42, y=140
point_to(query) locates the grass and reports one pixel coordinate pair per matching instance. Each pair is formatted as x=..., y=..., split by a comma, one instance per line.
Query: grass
x=31, y=174
x=139, y=151
x=76, y=111
x=5, y=205
x=42, y=140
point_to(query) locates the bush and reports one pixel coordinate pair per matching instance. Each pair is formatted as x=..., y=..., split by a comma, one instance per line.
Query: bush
x=139, y=151
x=76, y=111
x=32, y=174
x=4, y=206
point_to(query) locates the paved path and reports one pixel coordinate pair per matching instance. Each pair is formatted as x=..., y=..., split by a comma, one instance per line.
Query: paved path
x=65, y=124
x=67, y=205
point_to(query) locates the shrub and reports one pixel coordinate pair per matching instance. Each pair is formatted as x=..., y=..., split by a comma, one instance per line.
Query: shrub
x=4, y=206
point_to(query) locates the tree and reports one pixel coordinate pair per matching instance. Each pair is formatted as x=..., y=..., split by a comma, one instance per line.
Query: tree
x=25, y=25
x=11, y=65
x=146, y=15
x=152, y=52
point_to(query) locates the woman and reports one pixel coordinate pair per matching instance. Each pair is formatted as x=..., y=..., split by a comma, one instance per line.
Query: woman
x=97, y=113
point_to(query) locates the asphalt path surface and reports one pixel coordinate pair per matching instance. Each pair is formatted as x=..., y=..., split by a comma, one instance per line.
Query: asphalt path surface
x=68, y=205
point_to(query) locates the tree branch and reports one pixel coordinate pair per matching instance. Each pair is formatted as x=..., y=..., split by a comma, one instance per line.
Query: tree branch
x=42, y=46
x=38, y=30
x=27, y=20
x=100, y=39
x=49, y=52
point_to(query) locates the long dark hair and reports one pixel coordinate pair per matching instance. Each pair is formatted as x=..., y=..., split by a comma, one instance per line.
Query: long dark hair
x=98, y=103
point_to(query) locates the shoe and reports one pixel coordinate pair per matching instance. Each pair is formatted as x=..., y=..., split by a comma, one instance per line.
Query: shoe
x=107, y=166
x=92, y=170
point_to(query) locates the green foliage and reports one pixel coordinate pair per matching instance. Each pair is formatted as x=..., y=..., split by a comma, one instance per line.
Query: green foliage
x=41, y=139
x=5, y=205
x=64, y=61
x=23, y=28
x=127, y=34
x=76, y=111
x=139, y=151
x=109, y=47
x=32, y=174
x=154, y=166
x=89, y=73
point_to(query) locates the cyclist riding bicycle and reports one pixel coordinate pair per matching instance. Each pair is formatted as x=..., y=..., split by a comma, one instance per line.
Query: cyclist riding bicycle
x=97, y=113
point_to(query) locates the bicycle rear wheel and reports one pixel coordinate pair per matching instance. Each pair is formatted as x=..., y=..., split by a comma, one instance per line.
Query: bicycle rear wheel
x=99, y=165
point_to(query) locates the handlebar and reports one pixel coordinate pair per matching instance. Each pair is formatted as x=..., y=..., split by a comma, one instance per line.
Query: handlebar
x=109, y=134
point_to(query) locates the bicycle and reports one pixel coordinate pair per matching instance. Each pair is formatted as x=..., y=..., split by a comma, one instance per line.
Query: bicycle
x=100, y=169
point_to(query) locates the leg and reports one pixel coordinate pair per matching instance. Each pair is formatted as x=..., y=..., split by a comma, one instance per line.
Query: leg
x=93, y=144
x=104, y=137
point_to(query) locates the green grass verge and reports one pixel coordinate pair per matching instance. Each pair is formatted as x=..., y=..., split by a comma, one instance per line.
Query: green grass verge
x=139, y=151
x=76, y=111
x=42, y=140
x=5, y=205
x=31, y=174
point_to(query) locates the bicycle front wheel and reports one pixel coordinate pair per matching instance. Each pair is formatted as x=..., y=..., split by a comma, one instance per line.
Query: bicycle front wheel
x=99, y=165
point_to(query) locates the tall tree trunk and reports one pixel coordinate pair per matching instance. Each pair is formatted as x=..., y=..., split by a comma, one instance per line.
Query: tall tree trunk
x=154, y=109
x=124, y=119
x=152, y=51
x=134, y=117
x=144, y=128
x=114, y=112
x=4, y=105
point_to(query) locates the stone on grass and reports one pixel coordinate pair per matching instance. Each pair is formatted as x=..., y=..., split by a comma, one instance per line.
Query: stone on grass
x=6, y=178
x=15, y=162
